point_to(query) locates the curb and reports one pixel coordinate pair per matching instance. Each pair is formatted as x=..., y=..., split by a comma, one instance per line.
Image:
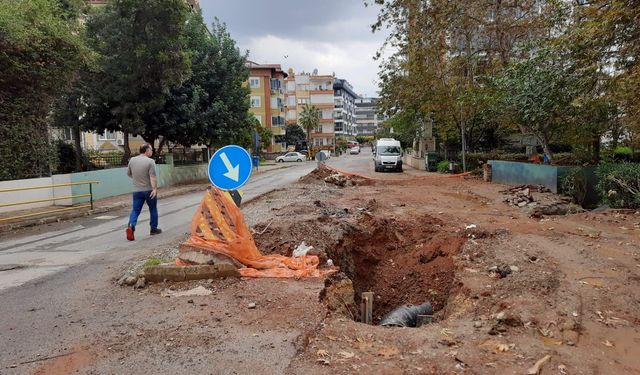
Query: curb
x=98, y=210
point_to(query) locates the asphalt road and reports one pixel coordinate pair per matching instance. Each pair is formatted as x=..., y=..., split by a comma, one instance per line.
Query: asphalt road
x=49, y=250
x=61, y=298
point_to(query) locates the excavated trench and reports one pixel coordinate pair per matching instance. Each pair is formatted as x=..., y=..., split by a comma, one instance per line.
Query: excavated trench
x=402, y=261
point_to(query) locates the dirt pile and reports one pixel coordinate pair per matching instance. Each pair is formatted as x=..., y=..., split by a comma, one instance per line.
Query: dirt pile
x=541, y=204
x=521, y=196
x=330, y=176
x=318, y=174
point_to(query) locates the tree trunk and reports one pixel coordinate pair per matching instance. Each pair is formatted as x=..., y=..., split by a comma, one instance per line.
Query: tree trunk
x=595, y=144
x=77, y=145
x=127, y=149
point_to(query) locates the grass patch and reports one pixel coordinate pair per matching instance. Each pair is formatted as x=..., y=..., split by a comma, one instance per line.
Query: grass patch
x=152, y=262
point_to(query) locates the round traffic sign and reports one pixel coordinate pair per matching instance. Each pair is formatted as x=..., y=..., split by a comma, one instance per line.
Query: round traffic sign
x=230, y=167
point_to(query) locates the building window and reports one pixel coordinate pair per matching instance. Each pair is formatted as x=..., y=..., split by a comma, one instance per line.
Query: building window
x=259, y=118
x=276, y=84
x=254, y=82
x=277, y=121
x=303, y=101
x=255, y=102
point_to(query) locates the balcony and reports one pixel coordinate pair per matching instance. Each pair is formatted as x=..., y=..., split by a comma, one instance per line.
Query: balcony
x=321, y=91
x=277, y=130
x=322, y=135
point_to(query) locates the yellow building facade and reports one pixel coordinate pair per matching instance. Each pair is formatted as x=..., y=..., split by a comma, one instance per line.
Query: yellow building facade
x=267, y=101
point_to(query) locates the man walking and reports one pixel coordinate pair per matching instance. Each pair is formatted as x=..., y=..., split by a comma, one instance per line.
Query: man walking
x=142, y=170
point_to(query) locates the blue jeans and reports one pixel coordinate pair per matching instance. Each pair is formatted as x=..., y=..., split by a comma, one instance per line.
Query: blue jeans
x=139, y=197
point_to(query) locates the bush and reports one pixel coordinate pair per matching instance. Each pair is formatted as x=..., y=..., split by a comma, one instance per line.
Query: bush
x=619, y=184
x=443, y=166
x=574, y=184
x=66, y=158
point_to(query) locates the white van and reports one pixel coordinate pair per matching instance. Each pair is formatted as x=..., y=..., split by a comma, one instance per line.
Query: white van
x=387, y=155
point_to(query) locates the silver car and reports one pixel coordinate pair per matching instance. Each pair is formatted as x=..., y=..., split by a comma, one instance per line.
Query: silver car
x=291, y=156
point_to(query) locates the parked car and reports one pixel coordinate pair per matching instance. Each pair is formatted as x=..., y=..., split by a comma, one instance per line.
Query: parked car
x=355, y=150
x=291, y=156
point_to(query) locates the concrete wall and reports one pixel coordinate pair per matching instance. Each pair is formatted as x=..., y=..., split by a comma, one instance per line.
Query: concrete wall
x=111, y=182
x=516, y=173
x=169, y=175
x=417, y=163
x=25, y=195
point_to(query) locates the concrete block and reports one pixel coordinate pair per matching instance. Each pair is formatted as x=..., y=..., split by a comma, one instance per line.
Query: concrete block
x=194, y=255
x=186, y=273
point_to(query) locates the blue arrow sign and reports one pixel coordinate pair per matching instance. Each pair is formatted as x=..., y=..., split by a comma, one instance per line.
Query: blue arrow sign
x=230, y=167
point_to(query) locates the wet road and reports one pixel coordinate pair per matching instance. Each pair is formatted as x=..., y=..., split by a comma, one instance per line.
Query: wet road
x=34, y=255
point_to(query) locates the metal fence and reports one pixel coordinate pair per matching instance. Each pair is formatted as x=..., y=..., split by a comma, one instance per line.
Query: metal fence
x=190, y=156
x=107, y=161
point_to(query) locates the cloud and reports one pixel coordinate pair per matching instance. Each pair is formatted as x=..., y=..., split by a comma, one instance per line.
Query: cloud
x=330, y=35
x=351, y=60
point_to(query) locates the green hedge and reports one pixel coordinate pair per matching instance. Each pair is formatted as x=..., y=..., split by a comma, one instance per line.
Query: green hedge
x=619, y=184
x=443, y=166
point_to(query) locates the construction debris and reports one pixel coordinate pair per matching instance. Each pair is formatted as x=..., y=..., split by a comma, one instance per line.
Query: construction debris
x=519, y=196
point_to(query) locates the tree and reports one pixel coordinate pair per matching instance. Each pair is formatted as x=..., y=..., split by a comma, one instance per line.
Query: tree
x=40, y=48
x=225, y=118
x=442, y=51
x=538, y=93
x=293, y=134
x=142, y=57
x=309, y=120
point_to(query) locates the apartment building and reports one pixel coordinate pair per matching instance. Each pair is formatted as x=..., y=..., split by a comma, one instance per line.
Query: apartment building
x=266, y=83
x=317, y=90
x=367, y=119
x=344, y=112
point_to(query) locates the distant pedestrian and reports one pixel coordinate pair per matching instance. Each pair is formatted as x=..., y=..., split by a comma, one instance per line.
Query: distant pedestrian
x=142, y=170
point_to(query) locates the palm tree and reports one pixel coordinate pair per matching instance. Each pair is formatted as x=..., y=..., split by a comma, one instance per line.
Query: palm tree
x=309, y=120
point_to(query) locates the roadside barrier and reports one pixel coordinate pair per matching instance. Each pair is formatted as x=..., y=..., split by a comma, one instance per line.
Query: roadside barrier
x=52, y=199
x=218, y=227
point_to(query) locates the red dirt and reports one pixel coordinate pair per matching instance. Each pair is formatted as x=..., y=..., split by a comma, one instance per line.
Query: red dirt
x=401, y=261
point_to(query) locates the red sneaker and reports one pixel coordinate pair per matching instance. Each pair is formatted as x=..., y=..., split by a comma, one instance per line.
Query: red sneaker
x=130, y=233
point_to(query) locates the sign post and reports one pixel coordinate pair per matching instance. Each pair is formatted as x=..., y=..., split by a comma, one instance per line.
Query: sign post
x=230, y=168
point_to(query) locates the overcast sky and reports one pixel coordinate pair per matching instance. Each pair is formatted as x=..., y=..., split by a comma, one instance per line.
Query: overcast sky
x=330, y=35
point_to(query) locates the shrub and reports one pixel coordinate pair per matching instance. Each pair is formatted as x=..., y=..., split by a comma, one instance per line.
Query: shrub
x=66, y=158
x=443, y=166
x=574, y=184
x=619, y=184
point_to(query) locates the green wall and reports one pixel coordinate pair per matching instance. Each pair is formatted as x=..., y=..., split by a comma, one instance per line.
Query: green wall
x=115, y=181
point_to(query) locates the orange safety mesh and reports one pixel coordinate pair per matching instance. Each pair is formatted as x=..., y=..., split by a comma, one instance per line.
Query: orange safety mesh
x=218, y=226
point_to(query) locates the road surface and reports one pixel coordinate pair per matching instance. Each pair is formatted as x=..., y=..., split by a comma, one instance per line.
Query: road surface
x=32, y=255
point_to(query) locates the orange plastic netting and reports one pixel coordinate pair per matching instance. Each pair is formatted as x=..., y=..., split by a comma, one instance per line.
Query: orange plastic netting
x=218, y=226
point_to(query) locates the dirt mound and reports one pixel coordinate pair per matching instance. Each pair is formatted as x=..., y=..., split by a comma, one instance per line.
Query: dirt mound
x=330, y=176
x=318, y=174
x=401, y=261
